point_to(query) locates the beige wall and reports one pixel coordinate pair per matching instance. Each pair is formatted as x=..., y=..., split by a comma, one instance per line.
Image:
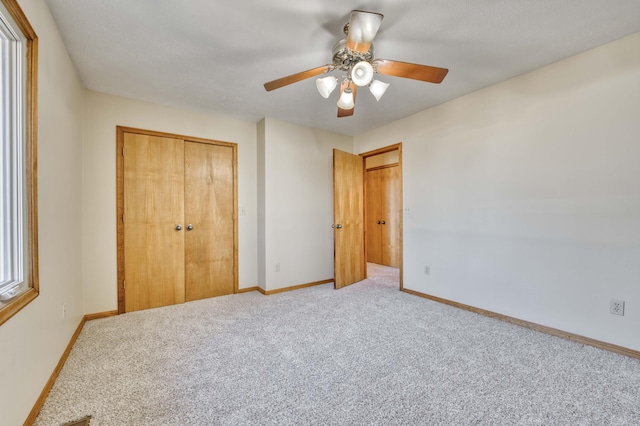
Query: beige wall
x=32, y=341
x=296, y=166
x=525, y=196
x=103, y=114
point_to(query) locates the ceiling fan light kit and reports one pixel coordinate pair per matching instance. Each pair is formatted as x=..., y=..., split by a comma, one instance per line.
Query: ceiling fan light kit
x=377, y=88
x=346, y=100
x=362, y=73
x=354, y=56
x=326, y=85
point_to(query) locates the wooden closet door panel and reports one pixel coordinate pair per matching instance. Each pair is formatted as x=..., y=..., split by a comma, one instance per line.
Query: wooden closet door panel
x=373, y=215
x=153, y=206
x=390, y=235
x=209, y=208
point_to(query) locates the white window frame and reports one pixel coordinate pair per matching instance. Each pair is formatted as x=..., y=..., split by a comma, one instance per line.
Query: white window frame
x=18, y=210
x=13, y=233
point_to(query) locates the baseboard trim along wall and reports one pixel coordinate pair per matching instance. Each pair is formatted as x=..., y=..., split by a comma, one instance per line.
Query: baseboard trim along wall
x=295, y=287
x=90, y=317
x=56, y=371
x=533, y=326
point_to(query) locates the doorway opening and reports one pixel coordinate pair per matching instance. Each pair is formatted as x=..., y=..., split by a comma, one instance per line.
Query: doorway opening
x=383, y=214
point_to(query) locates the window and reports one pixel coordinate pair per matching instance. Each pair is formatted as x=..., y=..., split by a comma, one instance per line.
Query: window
x=18, y=211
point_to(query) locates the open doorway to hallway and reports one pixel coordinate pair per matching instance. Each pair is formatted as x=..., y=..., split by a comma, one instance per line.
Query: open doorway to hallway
x=383, y=214
x=386, y=275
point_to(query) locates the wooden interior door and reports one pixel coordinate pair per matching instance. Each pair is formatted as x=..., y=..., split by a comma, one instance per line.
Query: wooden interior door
x=153, y=207
x=382, y=195
x=209, y=219
x=348, y=213
x=390, y=228
x=373, y=215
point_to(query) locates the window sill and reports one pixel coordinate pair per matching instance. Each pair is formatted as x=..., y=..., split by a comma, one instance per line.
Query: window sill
x=14, y=306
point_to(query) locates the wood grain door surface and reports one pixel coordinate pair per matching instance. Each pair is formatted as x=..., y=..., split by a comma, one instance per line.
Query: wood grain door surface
x=373, y=216
x=153, y=206
x=209, y=212
x=348, y=212
x=168, y=184
x=382, y=194
x=390, y=234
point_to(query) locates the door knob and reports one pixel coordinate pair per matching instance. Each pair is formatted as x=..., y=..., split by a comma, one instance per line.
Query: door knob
x=178, y=227
x=383, y=222
x=378, y=222
x=189, y=227
x=338, y=226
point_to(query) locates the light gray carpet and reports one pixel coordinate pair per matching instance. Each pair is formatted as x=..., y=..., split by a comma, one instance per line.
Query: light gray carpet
x=364, y=355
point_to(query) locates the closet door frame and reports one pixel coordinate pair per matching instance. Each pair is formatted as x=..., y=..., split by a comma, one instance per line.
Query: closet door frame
x=120, y=132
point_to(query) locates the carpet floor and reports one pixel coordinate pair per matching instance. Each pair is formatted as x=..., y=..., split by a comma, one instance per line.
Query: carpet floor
x=367, y=354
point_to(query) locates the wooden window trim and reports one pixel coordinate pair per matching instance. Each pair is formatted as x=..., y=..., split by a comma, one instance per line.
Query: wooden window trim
x=31, y=193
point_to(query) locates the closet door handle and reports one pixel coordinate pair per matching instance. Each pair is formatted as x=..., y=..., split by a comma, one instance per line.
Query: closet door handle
x=189, y=227
x=383, y=222
x=379, y=222
x=178, y=227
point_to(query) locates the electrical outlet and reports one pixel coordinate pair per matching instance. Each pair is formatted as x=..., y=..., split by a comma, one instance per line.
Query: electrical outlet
x=64, y=311
x=278, y=267
x=427, y=270
x=616, y=307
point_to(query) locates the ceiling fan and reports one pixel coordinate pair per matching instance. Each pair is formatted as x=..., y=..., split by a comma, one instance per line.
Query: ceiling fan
x=354, y=55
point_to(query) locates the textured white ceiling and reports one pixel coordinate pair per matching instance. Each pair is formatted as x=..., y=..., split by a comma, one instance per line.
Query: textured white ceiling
x=216, y=55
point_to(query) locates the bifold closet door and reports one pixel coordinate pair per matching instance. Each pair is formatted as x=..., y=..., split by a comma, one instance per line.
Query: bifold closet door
x=209, y=225
x=153, y=208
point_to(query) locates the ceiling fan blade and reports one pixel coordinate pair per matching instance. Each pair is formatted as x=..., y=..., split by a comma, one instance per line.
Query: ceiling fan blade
x=347, y=112
x=414, y=71
x=294, y=78
x=363, y=27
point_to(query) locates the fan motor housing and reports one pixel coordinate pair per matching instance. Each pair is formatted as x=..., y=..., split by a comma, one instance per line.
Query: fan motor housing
x=344, y=58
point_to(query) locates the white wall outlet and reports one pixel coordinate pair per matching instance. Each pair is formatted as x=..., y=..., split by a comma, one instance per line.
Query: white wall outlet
x=427, y=270
x=616, y=307
x=407, y=210
x=277, y=267
x=64, y=311
x=243, y=211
